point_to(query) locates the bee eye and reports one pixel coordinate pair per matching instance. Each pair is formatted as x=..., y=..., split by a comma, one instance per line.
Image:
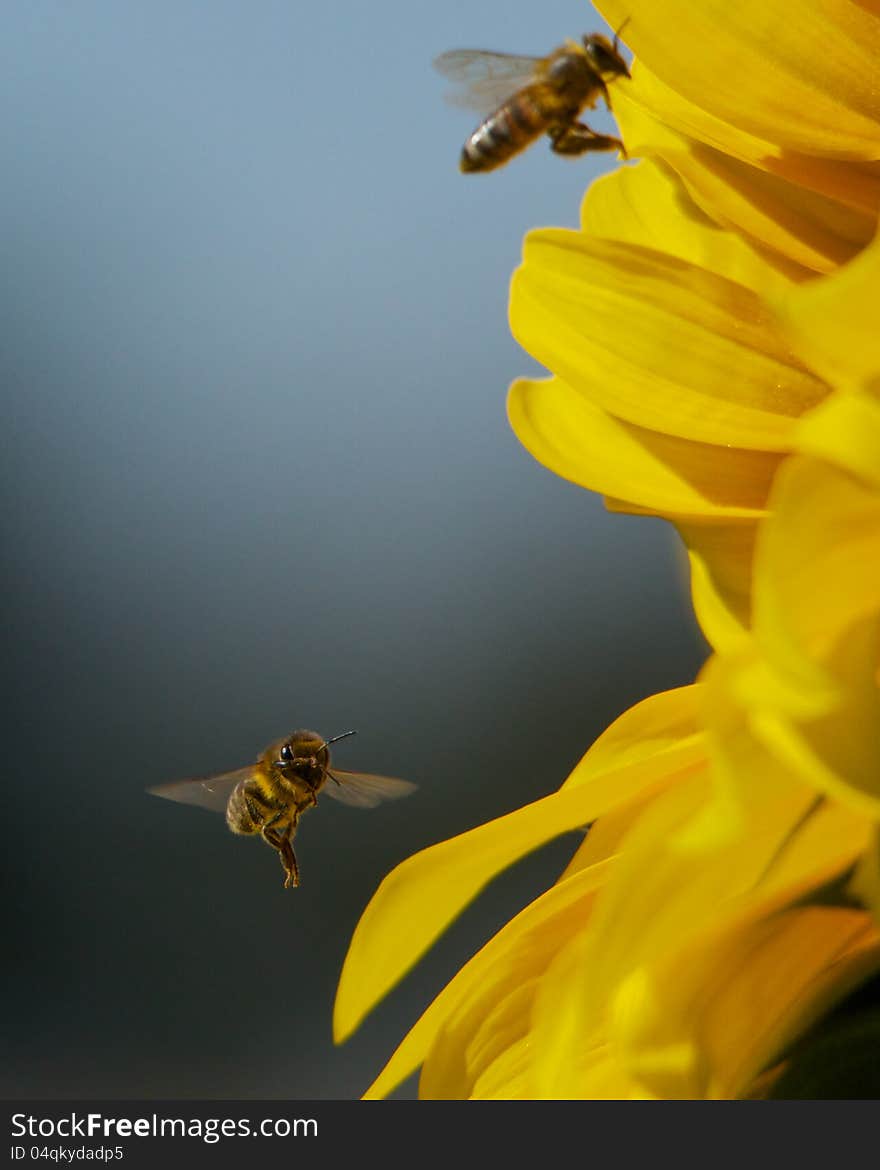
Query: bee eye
x=286, y=753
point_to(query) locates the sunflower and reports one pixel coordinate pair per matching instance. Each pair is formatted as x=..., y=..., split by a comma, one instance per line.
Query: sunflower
x=714, y=354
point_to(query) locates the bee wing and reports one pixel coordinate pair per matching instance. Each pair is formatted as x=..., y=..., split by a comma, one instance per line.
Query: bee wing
x=485, y=80
x=361, y=790
x=211, y=792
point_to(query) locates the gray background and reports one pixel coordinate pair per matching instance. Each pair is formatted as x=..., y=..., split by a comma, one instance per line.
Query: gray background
x=257, y=475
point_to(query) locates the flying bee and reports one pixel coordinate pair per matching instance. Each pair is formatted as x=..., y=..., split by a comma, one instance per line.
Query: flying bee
x=532, y=96
x=271, y=795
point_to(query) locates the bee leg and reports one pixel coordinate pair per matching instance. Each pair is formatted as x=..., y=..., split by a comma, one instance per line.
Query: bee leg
x=574, y=138
x=291, y=868
x=287, y=857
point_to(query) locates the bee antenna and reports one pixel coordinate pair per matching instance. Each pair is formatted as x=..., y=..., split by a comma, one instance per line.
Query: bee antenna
x=336, y=738
x=619, y=31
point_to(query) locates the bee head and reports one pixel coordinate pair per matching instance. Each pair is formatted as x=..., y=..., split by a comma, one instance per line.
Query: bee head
x=605, y=56
x=305, y=748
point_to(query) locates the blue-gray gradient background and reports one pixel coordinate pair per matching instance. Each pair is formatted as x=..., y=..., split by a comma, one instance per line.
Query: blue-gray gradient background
x=258, y=475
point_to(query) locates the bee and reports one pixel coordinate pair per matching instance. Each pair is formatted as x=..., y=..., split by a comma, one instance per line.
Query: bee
x=270, y=796
x=532, y=96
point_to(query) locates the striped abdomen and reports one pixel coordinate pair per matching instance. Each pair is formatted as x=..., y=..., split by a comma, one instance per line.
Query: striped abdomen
x=505, y=133
x=250, y=808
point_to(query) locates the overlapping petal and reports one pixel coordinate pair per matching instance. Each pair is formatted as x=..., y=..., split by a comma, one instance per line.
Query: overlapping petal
x=807, y=231
x=808, y=678
x=834, y=324
x=807, y=681
x=770, y=979
x=656, y=472
x=647, y=204
x=658, y=121
x=808, y=80
x=692, y=877
x=711, y=332
x=677, y=391
x=419, y=899
x=721, y=557
x=539, y=1012
x=658, y=342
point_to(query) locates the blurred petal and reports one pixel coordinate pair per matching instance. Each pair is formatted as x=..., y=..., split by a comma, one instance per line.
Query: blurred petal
x=566, y=1027
x=769, y=981
x=834, y=322
x=419, y=899
x=805, y=77
x=864, y=885
x=817, y=621
x=721, y=578
x=819, y=560
x=708, y=875
x=845, y=432
x=519, y=947
x=499, y=984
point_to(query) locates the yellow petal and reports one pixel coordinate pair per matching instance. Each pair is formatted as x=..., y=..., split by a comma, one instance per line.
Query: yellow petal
x=809, y=230
x=845, y=431
x=566, y=1027
x=659, y=343
x=664, y=474
x=817, y=622
x=519, y=951
x=569, y=1012
x=805, y=76
x=833, y=322
x=506, y=1079
x=423, y=894
x=705, y=1021
x=661, y=723
x=683, y=1041
x=671, y=891
x=818, y=562
x=648, y=205
x=494, y=1014
x=721, y=578
x=657, y=120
